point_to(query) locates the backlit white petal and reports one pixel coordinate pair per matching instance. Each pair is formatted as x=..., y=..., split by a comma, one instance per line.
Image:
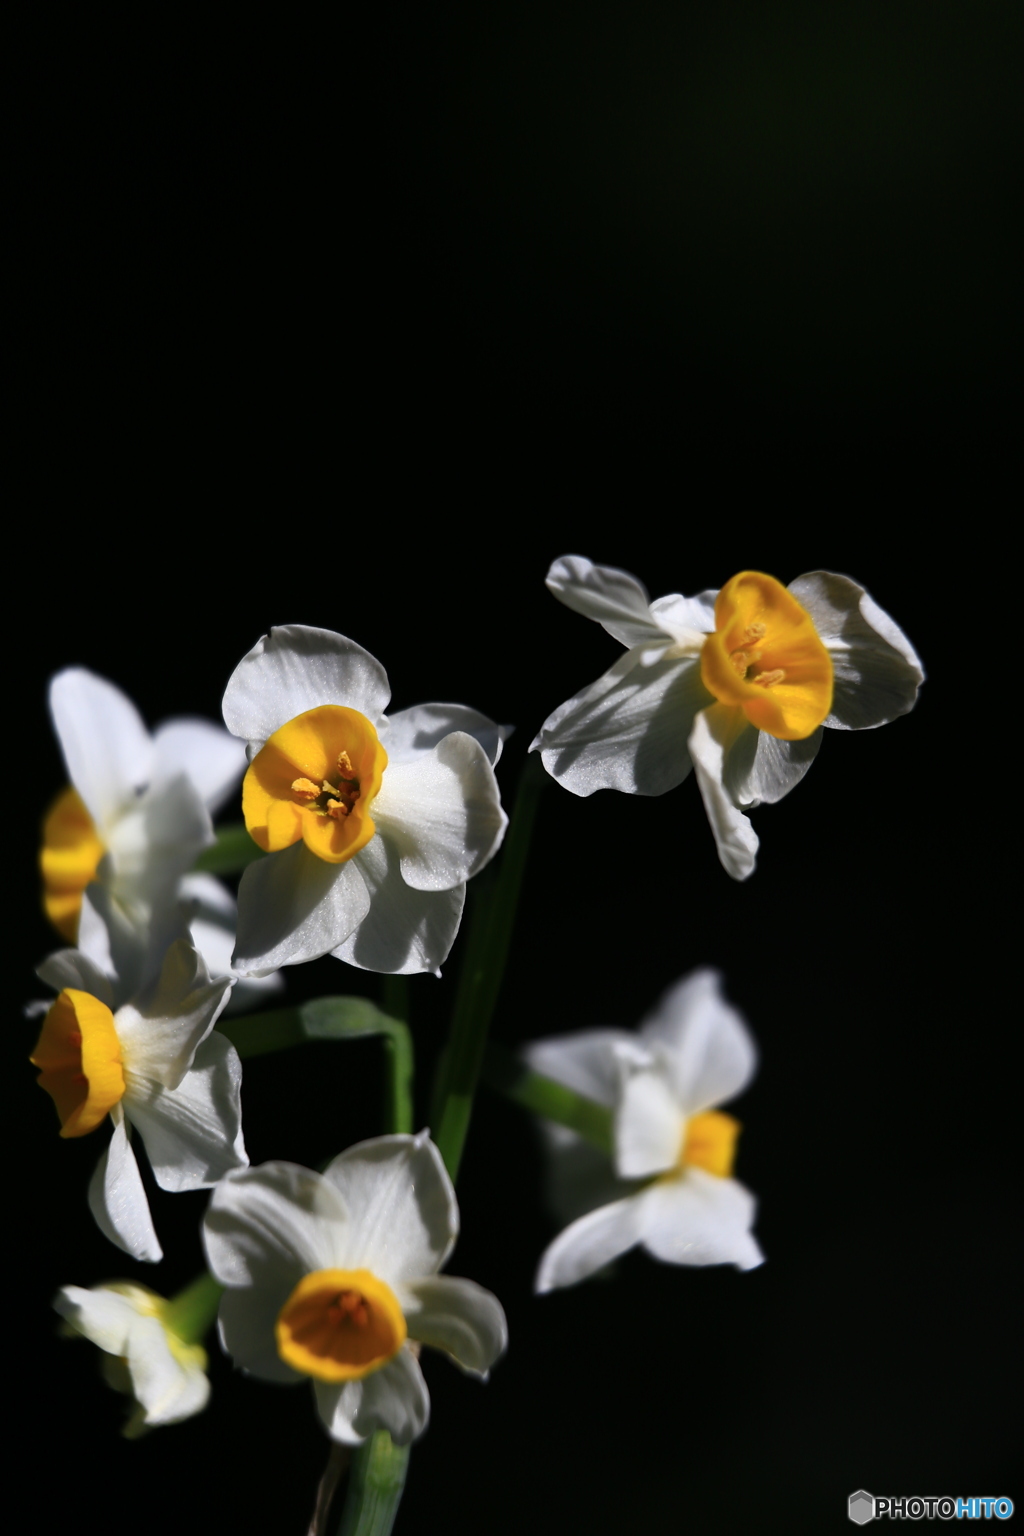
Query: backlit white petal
x=293, y=907
x=714, y=729
x=296, y=668
x=193, y=1132
x=697, y=1218
x=404, y=1216
x=442, y=811
x=628, y=730
x=117, y=1198
x=459, y=1317
x=759, y=769
x=207, y=754
x=585, y=1061
x=614, y=598
x=394, y=1398
x=167, y=1389
x=708, y=1052
x=162, y=1027
x=877, y=671
x=104, y=1317
x=648, y=1120
x=247, y=1320
x=588, y=1244
x=410, y=732
x=405, y=931
x=264, y=1225
x=70, y=968
x=106, y=746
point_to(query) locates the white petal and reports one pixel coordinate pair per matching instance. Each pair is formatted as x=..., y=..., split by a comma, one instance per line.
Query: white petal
x=685, y=617
x=589, y=1244
x=442, y=810
x=102, y=1316
x=264, y=1225
x=192, y=1133
x=707, y=1048
x=700, y=1219
x=627, y=731
x=70, y=968
x=207, y=754
x=584, y=1061
x=247, y=1320
x=212, y=921
x=405, y=931
x=714, y=730
x=578, y=1177
x=167, y=1389
x=412, y=731
x=394, y=1398
x=117, y=1198
x=459, y=1317
x=293, y=907
x=760, y=769
x=106, y=746
x=877, y=671
x=648, y=1120
x=156, y=840
x=614, y=598
x=296, y=668
x=161, y=1029
x=110, y=943
x=404, y=1217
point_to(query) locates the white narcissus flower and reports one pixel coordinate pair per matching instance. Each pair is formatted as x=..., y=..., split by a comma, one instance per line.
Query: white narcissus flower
x=147, y=1358
x=736, y=684
x=669, y=1187
x=334, y=1277
x=129, y=1036
x=373, y=823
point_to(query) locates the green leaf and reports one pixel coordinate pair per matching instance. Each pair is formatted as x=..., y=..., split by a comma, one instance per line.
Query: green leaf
x=232, y=851
x=507, y=1075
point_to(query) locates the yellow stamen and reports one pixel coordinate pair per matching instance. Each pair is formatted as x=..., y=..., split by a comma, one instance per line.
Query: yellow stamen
x=340, y=1324
x=334, y=823
x=69, y=858
x=79, y=1055
x=784, y=685
x=709, y=1142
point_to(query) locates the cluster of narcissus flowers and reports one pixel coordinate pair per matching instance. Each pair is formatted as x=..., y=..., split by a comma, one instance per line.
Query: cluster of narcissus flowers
x=365, y=828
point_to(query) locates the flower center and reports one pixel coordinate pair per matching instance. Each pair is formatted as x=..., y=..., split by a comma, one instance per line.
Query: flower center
x=315, y=779
x=339, y=1325
x=709, y=1142
x=69, y=858
x=79, y=1055
x=767, y=657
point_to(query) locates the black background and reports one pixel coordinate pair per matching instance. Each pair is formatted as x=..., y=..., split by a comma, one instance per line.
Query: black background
x=363, y=329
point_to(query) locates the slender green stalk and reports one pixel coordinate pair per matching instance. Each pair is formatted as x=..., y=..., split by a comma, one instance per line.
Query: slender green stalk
x=191, y=1312
x=375, y=1487
x=398, y=1103
x=232, y=851
x=494, y=901
x=507, y=1075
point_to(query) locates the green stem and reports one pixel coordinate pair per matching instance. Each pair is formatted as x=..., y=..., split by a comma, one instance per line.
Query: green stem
x=509, y=1076
x=232, y=851
x=398, y=1102
x=375, y=1486
x=191, y=1312
x=490, y=932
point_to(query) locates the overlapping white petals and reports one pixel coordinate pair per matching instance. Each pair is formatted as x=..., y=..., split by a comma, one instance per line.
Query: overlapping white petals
x=106, y=747
x=712, y=734
x=404, y=931
x=207, y=754
x=212, y=915
x=386, y=1206
x=168, y=1383
x=293, y=907
x=192, y=1132
x=442, y=811
x=693, y=1052
x=409, y=732
x=296, y=668
x=877, y=673
x=161, y=1029
x=759, y=769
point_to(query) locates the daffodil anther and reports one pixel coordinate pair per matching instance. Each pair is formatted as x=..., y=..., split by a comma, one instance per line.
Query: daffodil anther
x=340, y=1325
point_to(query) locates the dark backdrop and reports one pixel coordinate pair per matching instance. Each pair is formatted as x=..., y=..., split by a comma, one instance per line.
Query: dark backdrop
x=363, y=329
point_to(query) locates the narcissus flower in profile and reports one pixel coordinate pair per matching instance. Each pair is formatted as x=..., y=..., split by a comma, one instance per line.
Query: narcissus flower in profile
x=137, y=811
x=373, y=823
x=151, y=1354
x=668, y=1187
x=736, y=684
x=334, y=1277
x=129, y=1037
